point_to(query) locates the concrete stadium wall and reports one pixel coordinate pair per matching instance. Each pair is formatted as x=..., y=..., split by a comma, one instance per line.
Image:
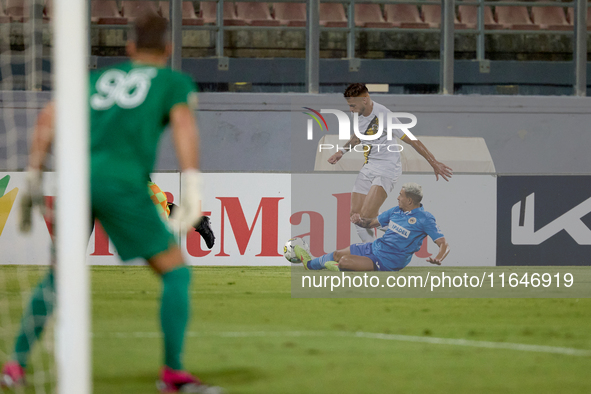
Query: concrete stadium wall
x=525, y=135
x=266, y=132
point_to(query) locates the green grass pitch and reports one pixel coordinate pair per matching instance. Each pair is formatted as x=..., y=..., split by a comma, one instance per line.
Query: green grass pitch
x=248, y=335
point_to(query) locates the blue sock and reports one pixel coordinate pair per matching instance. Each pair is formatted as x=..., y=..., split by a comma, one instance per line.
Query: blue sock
x=318, y=263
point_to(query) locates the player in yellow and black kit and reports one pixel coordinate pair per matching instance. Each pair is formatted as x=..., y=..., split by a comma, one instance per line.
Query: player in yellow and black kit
x=165, y=208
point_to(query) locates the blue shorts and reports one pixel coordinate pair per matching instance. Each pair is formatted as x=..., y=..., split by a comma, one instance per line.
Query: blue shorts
x=365, y=250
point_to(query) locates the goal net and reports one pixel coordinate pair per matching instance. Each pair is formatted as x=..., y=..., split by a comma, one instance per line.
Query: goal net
x=35, y=55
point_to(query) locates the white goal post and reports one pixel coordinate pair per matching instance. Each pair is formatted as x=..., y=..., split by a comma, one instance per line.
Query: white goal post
x=70, y=63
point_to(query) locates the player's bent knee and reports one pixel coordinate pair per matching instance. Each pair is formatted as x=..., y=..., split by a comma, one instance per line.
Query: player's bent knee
x=339, y=254
x=353, y=263
x=346, y=262
x=167, y=260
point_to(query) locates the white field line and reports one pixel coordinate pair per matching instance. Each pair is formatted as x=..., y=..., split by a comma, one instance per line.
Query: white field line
x=367, y=335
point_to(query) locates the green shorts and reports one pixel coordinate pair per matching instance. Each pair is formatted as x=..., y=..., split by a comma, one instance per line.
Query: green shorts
x=130, y=218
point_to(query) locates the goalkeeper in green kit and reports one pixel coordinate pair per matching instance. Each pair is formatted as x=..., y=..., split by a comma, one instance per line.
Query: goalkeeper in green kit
x=130, y=105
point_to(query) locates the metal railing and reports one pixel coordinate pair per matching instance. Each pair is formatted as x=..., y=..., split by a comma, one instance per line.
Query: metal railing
x=313, y=29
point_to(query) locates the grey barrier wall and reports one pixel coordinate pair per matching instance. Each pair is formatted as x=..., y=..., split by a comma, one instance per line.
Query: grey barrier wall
x=257, y=132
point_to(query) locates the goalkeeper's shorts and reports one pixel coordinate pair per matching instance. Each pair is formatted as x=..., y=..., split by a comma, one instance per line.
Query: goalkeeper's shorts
x=130, y=218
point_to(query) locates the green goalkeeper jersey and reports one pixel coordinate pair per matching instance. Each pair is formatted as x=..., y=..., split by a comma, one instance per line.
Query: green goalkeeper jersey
x=129, y=109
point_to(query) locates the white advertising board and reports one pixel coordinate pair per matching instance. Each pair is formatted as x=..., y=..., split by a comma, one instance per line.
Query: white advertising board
x=251, y=215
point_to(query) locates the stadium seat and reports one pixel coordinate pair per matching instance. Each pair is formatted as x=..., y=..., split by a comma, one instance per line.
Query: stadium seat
x=106, y=12
x=404, y=16
x=48, y=10
x=332, y=15
x=209, y=12
x=515, y=18
x=3, y=17
x=290, y=14
x=469, y=16
x=370, y=15
x=550, y=18
x=16, y=10
x=432, y=16
x=255, y=14
x=189, y=16
x=570, y=14
x=133, y=9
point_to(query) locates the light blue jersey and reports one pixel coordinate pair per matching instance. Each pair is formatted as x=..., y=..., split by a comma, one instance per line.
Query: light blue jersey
x=404, y=237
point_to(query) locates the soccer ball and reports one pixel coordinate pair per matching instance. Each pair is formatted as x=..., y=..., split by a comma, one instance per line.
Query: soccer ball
x=288, y=251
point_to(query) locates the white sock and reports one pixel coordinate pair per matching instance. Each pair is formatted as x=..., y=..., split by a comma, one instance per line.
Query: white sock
x=366, y=234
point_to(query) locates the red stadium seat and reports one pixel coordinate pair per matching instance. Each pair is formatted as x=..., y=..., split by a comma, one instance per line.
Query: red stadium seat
x=570, y=14
x=468, y=15
x=332, y=15
x=550, y=18
x=189, y=16
x=133, y=9
x=106, y=12
x=3, y=17
x=290, y=14
x=432, y=16
x=48, y=10
x=404, y=16
x=515, y=18
x=209, y=12
x=16, y=10
x=255, y=14
x=370, y=15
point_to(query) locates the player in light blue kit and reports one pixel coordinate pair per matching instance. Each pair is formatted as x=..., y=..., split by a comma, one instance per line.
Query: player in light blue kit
x=408, y=224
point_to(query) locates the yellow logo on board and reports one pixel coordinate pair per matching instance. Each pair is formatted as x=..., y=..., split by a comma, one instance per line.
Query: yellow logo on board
x=6, y=201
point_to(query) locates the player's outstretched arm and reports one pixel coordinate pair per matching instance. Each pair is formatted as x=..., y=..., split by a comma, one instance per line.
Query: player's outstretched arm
x=42, y=137
x=438, y=167
x=185, y=135
x=336, y=157
x=354, y=141
x=32, y=193
x=443, y=251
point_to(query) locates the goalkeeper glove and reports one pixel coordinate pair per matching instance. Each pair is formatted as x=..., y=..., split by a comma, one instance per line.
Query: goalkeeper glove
x=189, y=211
x=32, y=196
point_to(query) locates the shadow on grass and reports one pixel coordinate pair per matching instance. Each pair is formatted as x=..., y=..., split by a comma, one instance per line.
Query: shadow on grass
x=233, y=376
x=141, y=383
